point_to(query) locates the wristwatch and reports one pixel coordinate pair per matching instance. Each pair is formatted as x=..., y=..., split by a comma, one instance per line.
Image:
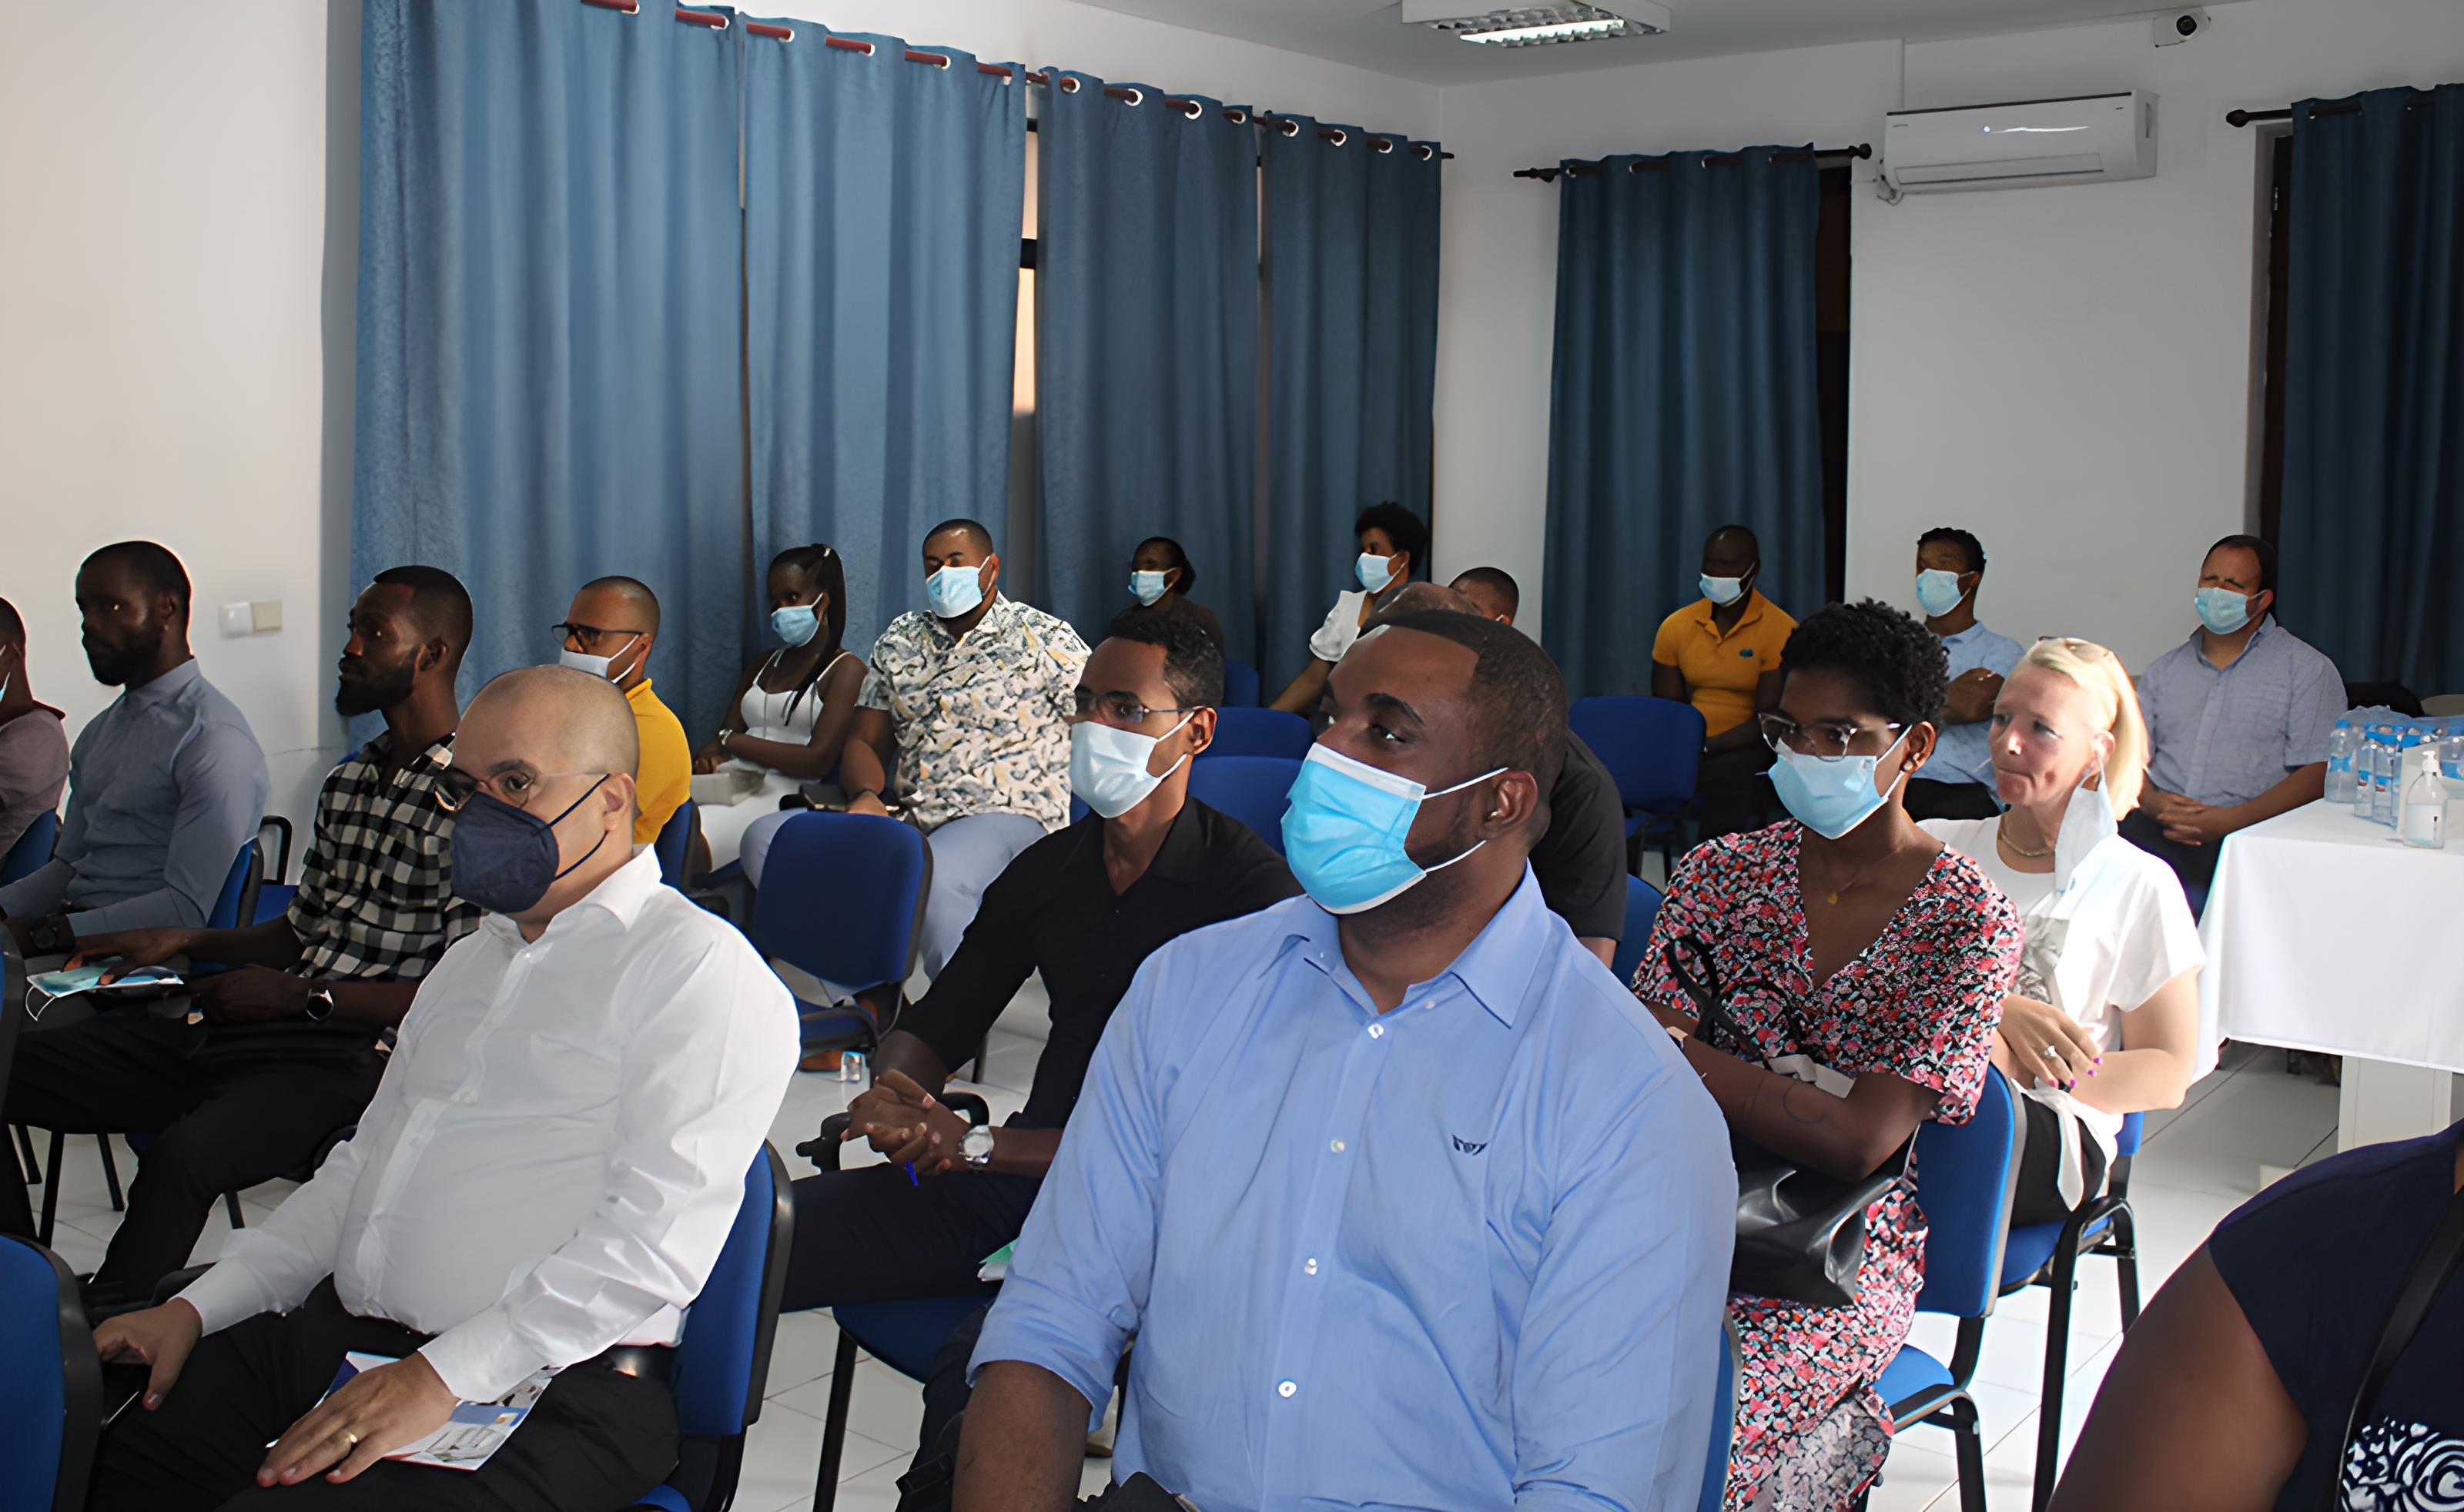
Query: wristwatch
x=321, y=1004
x=976, y=1147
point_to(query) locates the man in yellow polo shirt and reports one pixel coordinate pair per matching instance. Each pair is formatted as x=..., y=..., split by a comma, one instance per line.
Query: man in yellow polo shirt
x=1721, y=653
x=610, y=631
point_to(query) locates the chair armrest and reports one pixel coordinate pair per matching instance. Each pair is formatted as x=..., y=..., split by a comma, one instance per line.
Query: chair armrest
x=176, y=1283
x=823, y=1149
x=968, y=1105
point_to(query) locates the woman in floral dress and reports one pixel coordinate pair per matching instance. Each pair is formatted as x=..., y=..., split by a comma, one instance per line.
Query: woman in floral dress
x=1852, y=937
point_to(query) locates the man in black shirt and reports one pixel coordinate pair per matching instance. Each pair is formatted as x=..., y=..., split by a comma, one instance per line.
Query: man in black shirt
x=1084, y=907
x=1580, y=861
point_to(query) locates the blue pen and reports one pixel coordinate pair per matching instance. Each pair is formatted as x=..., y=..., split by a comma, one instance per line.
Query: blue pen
x=911, y=1175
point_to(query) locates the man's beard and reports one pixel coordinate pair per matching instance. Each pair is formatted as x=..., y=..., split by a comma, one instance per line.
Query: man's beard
x=115, y=665
x=366, y=688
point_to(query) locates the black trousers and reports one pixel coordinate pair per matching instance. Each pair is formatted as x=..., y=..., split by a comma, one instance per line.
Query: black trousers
x=1928, y=799
x=2035, y=1192
x=870, y=1235
x=597, y=1440
x=1735, y=790
x=230, y=1115
x=2194, y=865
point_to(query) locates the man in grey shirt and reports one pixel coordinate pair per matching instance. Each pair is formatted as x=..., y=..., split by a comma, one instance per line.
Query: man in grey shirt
x=2237, y=718
x=164, y=786
x=33, y=752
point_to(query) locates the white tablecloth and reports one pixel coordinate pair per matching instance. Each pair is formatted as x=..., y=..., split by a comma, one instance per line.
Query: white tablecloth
x=2324, y=933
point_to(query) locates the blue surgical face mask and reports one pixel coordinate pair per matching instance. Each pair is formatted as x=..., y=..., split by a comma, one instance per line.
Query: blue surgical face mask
x=2221, y=609
x=1830, y=797
x=599, y=666
x=796, y=623
x=1148, y=586
x=1108, y=766
x=1938, y=591
x=1345, y=827
x=1723, y=590
x=1376, y=571
x=504, y=858
x=954, y=591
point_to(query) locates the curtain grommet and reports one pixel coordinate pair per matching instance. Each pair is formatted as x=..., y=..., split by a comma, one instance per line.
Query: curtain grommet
x=1195, y=110
x=1340, y=137
x=1292, y=128
x=1068, y=86
x=1138, y=96
x=1388, y=145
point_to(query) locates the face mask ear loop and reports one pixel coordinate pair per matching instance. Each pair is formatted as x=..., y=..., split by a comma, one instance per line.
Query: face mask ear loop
x=561, y=819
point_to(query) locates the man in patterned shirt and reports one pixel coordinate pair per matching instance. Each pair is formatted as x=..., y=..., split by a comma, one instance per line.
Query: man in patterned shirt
x=272, y=1056
x=963, y=723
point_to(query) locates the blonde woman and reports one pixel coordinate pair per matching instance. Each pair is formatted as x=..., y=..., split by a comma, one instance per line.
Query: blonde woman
x=2104, y=1018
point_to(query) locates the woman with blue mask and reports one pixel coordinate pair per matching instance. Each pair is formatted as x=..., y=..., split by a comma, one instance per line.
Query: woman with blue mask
x=1866, y=964
x=2104, y=1020
x=1160, y=580
x=793, y=709
x=1393, y=545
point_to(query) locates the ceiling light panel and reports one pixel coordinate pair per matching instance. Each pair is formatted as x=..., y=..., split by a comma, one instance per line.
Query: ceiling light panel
x=1537, y=25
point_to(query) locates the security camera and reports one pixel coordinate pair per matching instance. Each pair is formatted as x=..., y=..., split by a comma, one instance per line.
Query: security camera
x=2173, y=28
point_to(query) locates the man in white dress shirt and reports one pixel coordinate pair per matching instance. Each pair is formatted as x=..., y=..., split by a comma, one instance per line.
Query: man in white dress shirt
x=544, y=1180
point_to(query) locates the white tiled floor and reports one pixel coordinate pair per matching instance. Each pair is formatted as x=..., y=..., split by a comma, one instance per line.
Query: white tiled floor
x=2199, y=1163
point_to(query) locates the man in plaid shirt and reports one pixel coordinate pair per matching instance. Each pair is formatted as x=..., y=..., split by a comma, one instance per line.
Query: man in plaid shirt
x=244, y=1081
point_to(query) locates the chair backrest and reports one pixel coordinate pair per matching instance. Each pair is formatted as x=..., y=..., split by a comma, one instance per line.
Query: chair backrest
x=1251, y=789
x=1642, y=908
x=723, y=1357
x=1259, y=733
x=50, y=1383
x=2125, y=1144
x=1964, y=1177
x=1723, y=1423
x=32, y=848
x=675, y=837
x=1240, y=685
x=236, y=904
x=1652, y=746
x=842, y=897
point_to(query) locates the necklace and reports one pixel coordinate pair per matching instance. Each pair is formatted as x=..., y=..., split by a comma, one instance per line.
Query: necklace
x=1853, y=883
x=2002, y=833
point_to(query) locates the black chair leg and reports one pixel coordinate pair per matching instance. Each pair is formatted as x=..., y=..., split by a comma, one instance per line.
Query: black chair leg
x=52, y=1190
x=111, y=1173
x=2125, y=1258
x=230, y=1205
x=2049, y=1396
x=1970, y=1445
x=26, y=1156
x=826, y=1482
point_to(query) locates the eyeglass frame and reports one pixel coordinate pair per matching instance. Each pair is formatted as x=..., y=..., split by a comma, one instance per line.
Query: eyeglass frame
x=588, y=634
x=1080, y=716
x=452, y=800
x=1774, y=740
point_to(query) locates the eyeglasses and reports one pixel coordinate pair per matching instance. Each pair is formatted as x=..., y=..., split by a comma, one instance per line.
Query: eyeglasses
x=1120, y=708
x=1822, y=741
x=588, y=635
x=456, y=786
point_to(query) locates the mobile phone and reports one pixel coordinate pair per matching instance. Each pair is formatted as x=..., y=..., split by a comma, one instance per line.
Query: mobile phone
x=124, y=1382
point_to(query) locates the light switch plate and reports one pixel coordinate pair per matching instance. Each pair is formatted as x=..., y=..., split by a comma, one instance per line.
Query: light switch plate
x=267, y=613
x=236, y=618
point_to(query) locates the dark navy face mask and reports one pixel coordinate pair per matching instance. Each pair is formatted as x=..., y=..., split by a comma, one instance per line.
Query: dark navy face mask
x=504, y=858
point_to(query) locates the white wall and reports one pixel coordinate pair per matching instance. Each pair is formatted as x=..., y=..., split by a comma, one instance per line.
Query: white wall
x=175, y=298
x=162, y=366
x=2068, y=372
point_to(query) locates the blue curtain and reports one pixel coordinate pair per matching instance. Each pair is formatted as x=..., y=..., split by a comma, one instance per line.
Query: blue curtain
x=1352, y=271
x=882, y=204
x=1147, y=329
x=1682, y=395
x=2374, y=522
x=548, y=347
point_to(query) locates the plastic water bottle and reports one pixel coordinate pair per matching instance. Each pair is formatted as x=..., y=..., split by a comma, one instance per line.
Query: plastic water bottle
x=2366, y=771
x=2451, y=754
x=2342, y=747
x=2383, y=775
x=2423, y=820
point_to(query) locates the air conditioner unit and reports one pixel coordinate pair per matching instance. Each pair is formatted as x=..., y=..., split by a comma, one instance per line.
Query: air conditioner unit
x=2091, y=140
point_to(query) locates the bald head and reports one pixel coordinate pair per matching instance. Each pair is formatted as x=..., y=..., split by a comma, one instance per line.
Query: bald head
x=618, y=601
x=550, y=719
x=1418, y=597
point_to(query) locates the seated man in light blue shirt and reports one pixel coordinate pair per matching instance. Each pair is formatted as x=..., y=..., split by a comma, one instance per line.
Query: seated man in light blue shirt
x=1957, y=781
x=164, y=786
x=1487, y=1275
x=2237, y=718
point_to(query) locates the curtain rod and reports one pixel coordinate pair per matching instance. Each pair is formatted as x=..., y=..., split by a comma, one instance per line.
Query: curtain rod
x=2333, y=107
x=1722, y=159
x=717, y=21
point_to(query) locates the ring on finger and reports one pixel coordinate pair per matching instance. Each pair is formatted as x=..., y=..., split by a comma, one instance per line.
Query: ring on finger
x=350, y=1440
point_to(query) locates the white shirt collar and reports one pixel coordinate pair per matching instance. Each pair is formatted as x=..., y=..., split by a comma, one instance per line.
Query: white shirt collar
x=619, y=896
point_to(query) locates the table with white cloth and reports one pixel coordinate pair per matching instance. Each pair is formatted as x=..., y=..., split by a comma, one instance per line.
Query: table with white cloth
x=2324, y=933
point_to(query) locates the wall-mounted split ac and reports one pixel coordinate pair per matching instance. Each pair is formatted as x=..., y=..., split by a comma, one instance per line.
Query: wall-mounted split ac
x=2093, y=139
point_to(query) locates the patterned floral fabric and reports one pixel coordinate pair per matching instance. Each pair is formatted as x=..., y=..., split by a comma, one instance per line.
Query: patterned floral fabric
x=376, y=888
x=1920, y=1004
x=979, y=722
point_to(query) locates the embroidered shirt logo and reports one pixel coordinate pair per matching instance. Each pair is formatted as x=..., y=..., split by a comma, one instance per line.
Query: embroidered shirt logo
x=1467, y=1147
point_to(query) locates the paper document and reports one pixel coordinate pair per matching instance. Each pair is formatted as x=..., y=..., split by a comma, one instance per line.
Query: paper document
x=476, y=1430
x=996, y=1264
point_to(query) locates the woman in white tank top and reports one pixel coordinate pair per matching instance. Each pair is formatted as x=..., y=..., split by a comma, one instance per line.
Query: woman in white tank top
x=794, y=705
